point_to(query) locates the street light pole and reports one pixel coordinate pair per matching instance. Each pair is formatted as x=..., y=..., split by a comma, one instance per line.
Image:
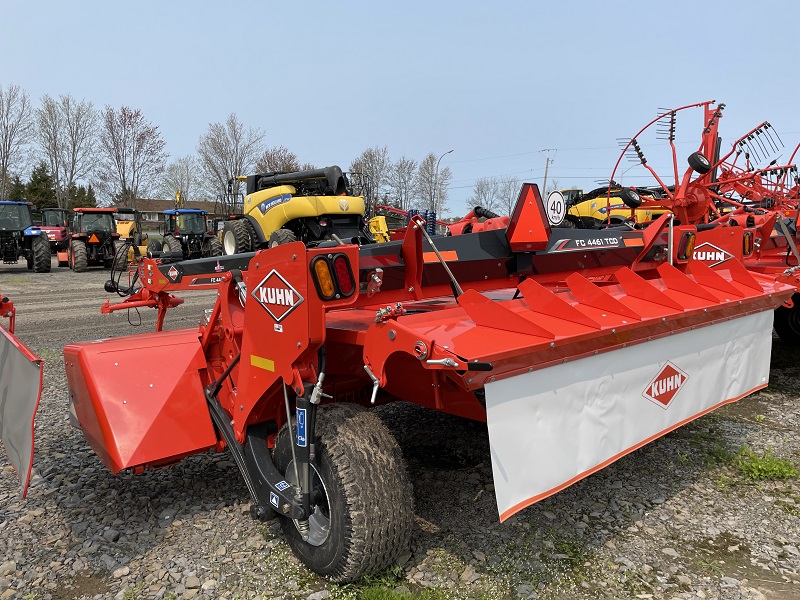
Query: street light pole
x=436, y=183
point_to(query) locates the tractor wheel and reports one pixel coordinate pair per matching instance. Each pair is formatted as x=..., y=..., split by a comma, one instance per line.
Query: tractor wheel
x=630, y=198
x=699, y=163
x=237, y=238
x=154, y=246
x=281, y=236
x=787, y=322
x=40, y=251
x=29, y=260
x=108, y=263
x=362, y=495
x=80, y=259
x=212, y=247
x=172, y=245
x=137, y=239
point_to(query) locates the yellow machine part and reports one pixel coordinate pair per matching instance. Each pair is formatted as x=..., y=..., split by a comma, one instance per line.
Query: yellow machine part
x=126, y=229
x=276, y=206
x=379, y=229
x=596, y=209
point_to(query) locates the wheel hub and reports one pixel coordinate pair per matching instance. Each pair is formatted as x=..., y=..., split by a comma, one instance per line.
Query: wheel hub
x=319, y=522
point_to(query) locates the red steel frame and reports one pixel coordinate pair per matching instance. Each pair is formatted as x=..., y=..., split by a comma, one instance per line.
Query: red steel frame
x=433, y=350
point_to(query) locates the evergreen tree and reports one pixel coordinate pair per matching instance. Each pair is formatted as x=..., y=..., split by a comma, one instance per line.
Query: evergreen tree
x=40, y=190
x=80, y=197
x=16, y=189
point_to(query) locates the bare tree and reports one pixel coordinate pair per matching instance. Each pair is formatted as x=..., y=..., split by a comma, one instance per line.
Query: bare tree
x=507, y=193
x=486, y=194
x=132, y=155
x=373, y=164
x=552, y=187
x=226, y=151
x=427, y=183
x=67, y=135
x=180, y=176
x=401, y=181
x=278, y=159
x=16, y=131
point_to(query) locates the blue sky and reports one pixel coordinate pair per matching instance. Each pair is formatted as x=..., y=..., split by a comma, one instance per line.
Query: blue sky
x=497, y=82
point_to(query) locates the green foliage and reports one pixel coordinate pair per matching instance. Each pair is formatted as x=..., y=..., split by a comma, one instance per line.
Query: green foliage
x=81, y=197
x=40, y=189
x=134, y=592
x=16, y=189
x=765, y=467
x=382, y=593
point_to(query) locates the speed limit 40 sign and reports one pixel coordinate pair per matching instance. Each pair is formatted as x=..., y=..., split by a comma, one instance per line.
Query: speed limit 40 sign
x=556, y=208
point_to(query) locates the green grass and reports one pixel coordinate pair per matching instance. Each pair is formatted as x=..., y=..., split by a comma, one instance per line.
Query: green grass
x=382, y=593
x=765, y=467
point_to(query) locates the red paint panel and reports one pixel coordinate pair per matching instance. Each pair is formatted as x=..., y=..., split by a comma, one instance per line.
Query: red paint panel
x=139, y=399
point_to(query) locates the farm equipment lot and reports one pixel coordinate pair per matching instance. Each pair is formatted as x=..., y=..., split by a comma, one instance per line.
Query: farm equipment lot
x=676, y=519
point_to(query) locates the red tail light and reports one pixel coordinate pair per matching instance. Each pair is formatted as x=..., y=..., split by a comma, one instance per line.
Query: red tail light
x=344, y=276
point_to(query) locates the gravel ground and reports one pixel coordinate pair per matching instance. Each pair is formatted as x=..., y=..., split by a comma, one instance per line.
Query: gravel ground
x=675, y=519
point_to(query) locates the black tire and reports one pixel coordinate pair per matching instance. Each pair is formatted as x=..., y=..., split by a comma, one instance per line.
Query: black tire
x=40, y=250
x=29, y=260
x=630, y=197
x=137, y=239
x=154, y=246
x=362, y=488
x=237, y=238
x=80, y=259
x=122, y=258
x=172, y=245
x=213, y=247
x=281, y=236
x=787, y=322
x=699, y=163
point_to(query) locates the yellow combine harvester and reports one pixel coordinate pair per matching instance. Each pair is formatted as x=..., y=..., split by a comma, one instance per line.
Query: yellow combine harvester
x=312, y=206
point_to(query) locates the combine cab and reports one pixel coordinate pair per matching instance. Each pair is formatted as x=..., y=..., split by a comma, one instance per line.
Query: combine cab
x=93, y=238
x=490, y=326
x=20, y=238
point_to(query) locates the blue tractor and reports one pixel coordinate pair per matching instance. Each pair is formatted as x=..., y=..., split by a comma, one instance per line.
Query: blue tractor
x=20, y=238
x=186, y=232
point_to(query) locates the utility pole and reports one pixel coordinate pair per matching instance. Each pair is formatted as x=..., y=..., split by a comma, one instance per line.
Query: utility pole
x=547, y=162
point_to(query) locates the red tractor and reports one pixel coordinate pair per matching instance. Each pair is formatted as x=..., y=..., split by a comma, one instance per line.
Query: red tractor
x=94, y=234
x=57, y=223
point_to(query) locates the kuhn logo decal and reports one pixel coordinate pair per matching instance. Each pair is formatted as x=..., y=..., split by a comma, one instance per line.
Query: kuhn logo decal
x=277, y=296
x=173, y=273
x=665, y=385
x=711, y=255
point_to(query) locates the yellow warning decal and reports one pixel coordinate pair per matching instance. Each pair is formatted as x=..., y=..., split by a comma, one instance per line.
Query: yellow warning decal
x=262, y=363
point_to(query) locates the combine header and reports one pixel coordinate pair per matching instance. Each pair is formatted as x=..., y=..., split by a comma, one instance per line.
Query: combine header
x=614, y=334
